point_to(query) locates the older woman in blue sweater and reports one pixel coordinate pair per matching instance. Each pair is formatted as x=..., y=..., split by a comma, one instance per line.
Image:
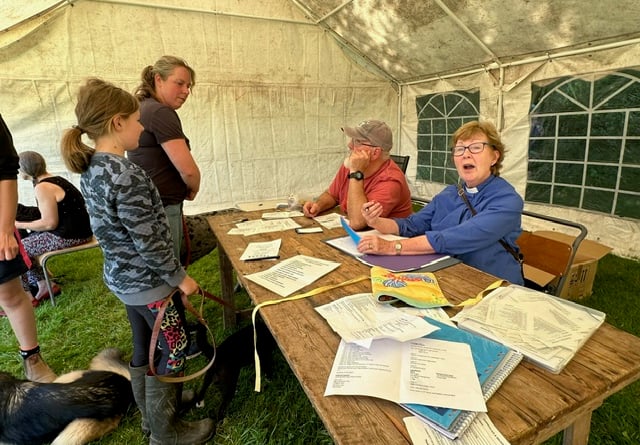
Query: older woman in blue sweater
x=481, y=230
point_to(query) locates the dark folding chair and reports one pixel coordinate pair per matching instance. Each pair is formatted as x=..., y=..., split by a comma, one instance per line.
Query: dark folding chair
x=402, y=161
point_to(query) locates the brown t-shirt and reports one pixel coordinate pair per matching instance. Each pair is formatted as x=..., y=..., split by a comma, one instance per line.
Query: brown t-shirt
x=161, y=124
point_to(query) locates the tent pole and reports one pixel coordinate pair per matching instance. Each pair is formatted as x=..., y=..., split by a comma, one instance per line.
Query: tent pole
x=545, y=57
x=204, y=11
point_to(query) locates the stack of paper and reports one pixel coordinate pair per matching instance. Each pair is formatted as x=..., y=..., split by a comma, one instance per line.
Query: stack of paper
x=546, y=329
x=493, y=362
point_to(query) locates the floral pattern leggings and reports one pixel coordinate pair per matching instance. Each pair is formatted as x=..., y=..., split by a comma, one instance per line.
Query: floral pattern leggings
x=171, y=351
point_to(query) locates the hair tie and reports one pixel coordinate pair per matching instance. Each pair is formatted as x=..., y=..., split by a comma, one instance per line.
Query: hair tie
x=78, y=128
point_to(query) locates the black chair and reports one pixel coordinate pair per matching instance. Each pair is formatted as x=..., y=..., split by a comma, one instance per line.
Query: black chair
x=401, y=161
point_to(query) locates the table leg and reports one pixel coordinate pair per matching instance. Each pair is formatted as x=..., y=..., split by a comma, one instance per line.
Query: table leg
x=227, y=285
x=578, y=432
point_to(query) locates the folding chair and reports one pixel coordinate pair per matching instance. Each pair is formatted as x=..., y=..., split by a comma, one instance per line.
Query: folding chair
x=45, y=257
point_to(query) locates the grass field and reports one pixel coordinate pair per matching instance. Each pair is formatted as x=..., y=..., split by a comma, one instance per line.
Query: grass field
x=88, y=318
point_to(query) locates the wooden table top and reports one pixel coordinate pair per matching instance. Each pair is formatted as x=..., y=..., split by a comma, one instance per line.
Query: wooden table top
x=531, y=406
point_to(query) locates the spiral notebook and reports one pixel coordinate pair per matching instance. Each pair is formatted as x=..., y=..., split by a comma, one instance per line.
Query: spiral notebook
x=494, y=362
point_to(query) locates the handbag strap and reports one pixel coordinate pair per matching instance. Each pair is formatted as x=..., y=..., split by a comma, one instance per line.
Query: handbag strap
x=518, y=257
x=156, y=332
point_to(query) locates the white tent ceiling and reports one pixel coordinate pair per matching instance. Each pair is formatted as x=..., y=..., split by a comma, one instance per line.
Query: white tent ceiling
x=416, y=40
x=409, y=41
x=277, y=79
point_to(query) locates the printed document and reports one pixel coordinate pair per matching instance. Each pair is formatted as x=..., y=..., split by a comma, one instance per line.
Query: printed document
x=282, y=214
x=424, y=371
x=329, y=221
x=482, y=431
x=266, y=250
x=255, y=226
x=292, y=274
x=360, y=319
x=548, y=330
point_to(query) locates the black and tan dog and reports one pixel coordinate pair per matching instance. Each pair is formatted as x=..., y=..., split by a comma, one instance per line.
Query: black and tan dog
x=75, y=409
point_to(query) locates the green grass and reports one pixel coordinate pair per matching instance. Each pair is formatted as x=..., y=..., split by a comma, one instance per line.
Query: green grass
x=88, y=318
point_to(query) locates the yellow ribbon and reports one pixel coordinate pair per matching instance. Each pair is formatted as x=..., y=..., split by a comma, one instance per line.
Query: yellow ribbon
x=311, y=293
x=481, y=294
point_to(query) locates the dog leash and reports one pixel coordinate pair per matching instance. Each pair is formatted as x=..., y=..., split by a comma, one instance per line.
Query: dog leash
x=156, y=331
x=312, y=292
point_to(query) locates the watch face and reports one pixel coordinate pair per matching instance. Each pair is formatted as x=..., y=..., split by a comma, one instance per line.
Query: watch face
x=356, y=175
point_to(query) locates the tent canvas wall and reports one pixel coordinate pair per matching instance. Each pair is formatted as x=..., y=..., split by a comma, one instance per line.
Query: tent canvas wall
x=275, y=85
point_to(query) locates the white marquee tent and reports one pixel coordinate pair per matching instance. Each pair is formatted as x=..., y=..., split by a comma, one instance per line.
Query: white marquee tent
x=276, y=79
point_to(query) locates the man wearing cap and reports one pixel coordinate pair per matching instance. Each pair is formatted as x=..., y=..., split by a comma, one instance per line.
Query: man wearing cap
x=367, y=174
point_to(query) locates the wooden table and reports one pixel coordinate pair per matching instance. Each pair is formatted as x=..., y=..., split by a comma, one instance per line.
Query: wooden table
x=531, y=406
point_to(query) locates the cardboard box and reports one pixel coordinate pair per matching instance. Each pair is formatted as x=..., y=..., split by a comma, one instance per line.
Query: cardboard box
x=543, y=248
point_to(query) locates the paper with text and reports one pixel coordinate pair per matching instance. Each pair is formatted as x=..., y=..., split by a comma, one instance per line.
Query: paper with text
x=292, y=274
x=360, y=319
x=282, y=214
x=329, y=221
x=262, y=250
x=255, y=226
x=482, y=431
x=548, y=330
x=425, y=371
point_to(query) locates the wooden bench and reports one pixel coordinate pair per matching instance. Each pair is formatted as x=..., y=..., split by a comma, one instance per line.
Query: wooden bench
x=45, y=257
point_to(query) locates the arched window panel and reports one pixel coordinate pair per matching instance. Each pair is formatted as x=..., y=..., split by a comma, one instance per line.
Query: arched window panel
x=584, y=145
x=439, y=116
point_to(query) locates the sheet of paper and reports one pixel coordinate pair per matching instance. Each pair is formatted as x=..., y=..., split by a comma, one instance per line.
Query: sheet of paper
x=262, y=250
x=347, y=245
x=437, y=313
x=482, y=431
x=255, y=226
x=330, y=220
x=425, y=371
x=282, y=214
x=292, y=274
x=544, y=328
x=361, y=319
x=260, y=205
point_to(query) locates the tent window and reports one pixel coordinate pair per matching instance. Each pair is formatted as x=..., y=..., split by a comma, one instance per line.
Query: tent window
x=584, y=145
x=439, y=116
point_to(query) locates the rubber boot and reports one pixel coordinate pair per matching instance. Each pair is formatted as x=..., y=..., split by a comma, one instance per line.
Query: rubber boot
x=138, y=385
x=162, y=409
x=37, y=370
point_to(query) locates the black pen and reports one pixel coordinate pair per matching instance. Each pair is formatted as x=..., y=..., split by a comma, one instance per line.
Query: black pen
x=277, y=257
x=235, y=221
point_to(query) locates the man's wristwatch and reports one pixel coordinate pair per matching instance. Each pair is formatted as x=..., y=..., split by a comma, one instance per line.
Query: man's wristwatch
x=359, y=176
x=398, y=246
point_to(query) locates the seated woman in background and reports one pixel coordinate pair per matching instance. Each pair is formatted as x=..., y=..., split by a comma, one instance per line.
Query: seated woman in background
x=63, y=222
x=478, y=221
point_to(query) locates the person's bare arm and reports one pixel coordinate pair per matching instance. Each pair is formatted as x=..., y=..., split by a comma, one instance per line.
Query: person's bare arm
x=356, y=200
x=181, y=158
x=47, y=195
x=314, y=208
x=9, y=199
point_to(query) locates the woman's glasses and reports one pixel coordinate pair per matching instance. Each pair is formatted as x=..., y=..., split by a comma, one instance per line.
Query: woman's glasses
x=474, y=148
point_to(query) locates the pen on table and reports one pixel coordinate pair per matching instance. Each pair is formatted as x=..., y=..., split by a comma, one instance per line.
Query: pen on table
x=276, y=257
x=235, y=221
